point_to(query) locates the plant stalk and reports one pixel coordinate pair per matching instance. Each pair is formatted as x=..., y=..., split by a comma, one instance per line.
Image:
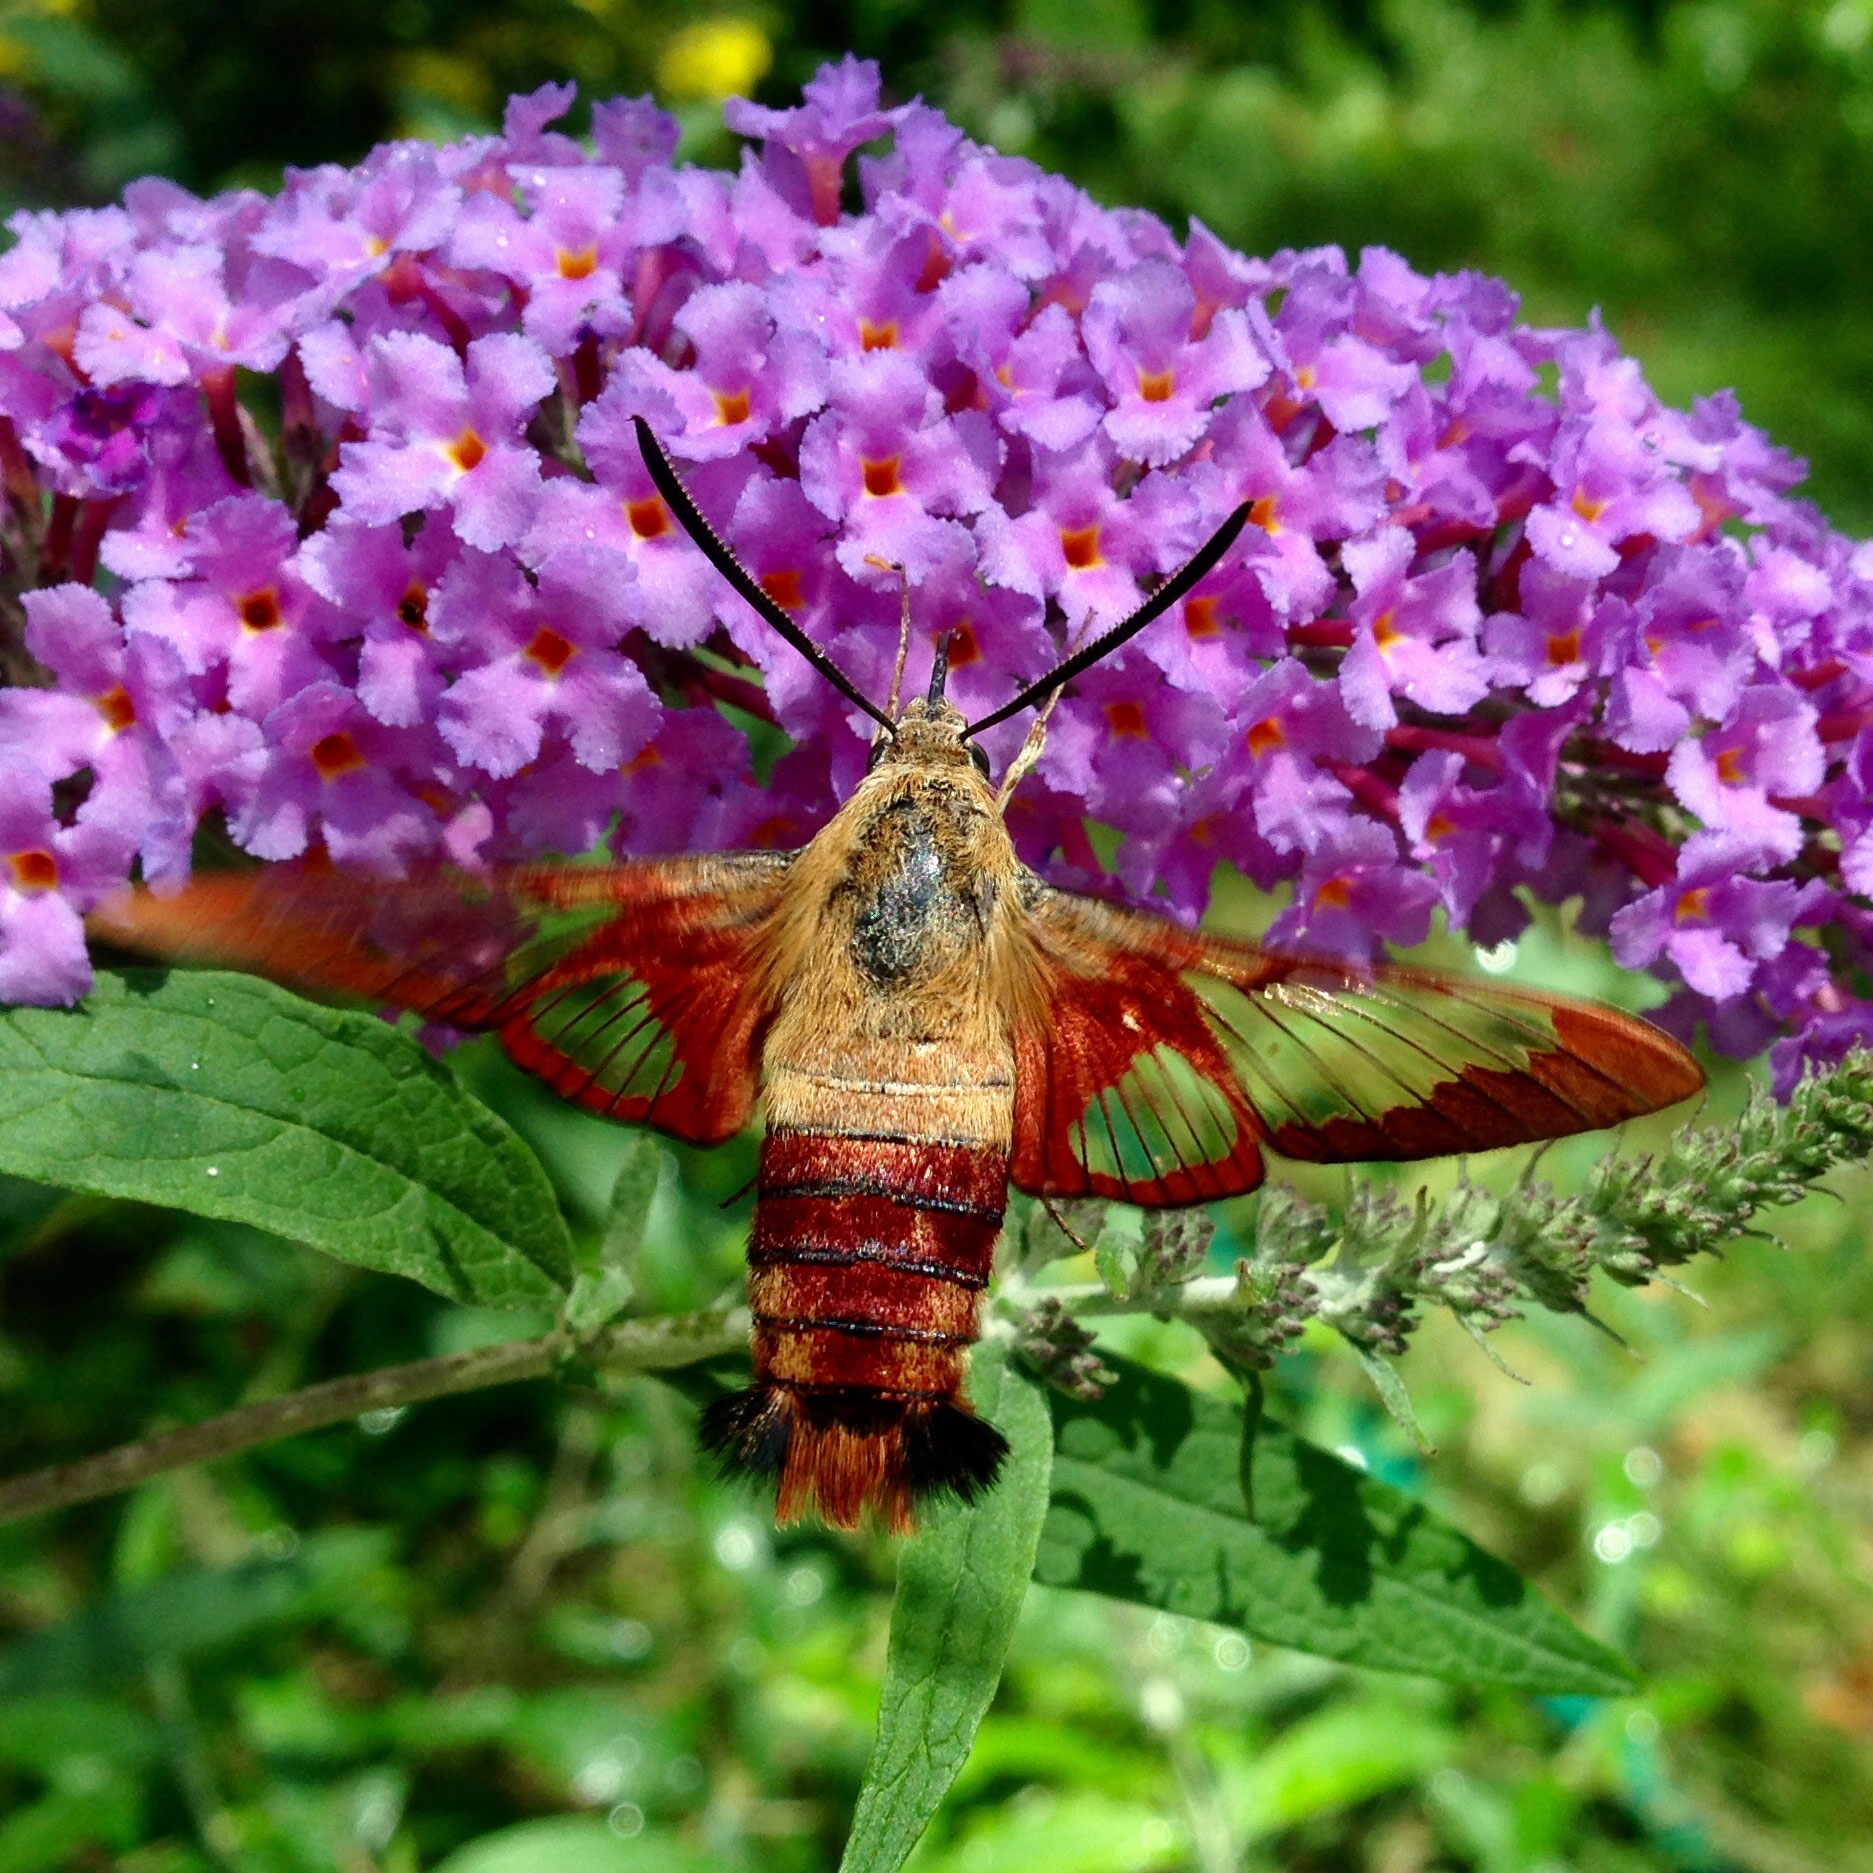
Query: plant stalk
x=629, y=1346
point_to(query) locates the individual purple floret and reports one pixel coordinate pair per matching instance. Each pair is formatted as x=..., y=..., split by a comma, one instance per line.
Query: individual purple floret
x=1503, y=627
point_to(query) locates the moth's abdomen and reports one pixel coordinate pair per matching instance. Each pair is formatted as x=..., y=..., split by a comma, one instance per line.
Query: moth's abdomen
x=867, y=1265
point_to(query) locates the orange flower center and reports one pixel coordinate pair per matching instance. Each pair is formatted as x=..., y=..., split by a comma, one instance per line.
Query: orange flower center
x=784, y=588
x=1438, y=827
x=877, y=337
x=881, y=477
x=963, y=646
x=649, y=518
x=413, y=606
x=1335, y=894
x=33, y=871
x=646, y=757
x=1305, y=377
x=1693, y=905
x=1384, y=632
x=260, y=611
x=1262, y=513
x=1266, y=736
x=1587, y=507
x=466, y=450
x=1127, y=721
x=732, y=407
x=1730, y=767
x=336, y=754
x=578, y=265
x=1564, y=648
x=550, y=651
x=1156, y=386
x=1200, y=618
x=118, y=711
x=1081, y=547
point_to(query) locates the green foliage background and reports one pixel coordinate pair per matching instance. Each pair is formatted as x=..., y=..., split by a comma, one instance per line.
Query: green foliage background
x=525, y=1629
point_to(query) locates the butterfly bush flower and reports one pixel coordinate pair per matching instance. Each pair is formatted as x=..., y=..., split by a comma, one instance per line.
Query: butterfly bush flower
x=1503, y=627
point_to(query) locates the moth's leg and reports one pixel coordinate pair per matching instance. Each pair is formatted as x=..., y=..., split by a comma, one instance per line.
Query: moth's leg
x=1030, y=752
x=1065, y=1228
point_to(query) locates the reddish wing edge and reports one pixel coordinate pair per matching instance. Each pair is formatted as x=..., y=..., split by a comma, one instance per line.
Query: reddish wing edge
x=1313, y=1057
x=631, y=990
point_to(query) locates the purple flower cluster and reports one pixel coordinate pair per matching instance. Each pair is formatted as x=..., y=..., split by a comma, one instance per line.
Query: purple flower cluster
x=323, y=514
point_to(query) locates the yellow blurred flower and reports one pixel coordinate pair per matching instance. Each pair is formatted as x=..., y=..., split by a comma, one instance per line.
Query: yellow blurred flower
x=715, y=59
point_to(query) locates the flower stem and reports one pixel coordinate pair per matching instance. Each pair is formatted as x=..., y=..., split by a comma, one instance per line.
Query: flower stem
x=630, y=1346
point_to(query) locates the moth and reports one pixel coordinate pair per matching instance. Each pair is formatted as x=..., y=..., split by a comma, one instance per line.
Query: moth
x=924, y=1021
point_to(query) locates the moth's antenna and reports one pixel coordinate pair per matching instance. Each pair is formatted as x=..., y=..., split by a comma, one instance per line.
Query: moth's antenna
x=1202, y=561
x=731, y=568
x=940, y=669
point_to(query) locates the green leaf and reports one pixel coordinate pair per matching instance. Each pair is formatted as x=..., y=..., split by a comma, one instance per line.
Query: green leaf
x=572, y=1844
x=960, y=1586
x=228, y=1097
x=46, y=1733
x=24, y=1209
x=195, y=1610
x=1118, y=1246
x=606, y=1276
x=1147, y=1506
x=1392, y=1394
x=1068, y=1831
x=1333, y=1759
x=42, y=1836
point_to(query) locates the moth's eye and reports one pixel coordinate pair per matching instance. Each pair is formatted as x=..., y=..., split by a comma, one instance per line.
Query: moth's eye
x=980, y=756
x=877, y=752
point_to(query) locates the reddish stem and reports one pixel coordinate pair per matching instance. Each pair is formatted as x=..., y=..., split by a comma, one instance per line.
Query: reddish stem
x=1843, y=724
x=1481, y=750
x=88, y=535
x=699, y=682
x=55, y=557
x=454, y=326
x=1367, y=788
x=1447, y=533
x=224, y=415
x=1807, y=805
x=1328, y=634
x=1820, y=676
x=1611, y=754
x=1650, y=857
x=737, y=691
x=588, y=370
x=21, y=483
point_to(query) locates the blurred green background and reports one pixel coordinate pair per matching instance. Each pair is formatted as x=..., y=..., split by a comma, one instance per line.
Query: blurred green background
x=526, y=1632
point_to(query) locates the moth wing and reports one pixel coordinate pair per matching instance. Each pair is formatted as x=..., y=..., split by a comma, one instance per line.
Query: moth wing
x=1327, y=1062
x=631, y=989
x=1122, y=1088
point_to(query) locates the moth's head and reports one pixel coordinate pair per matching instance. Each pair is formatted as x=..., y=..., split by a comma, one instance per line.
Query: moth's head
x=929, y=735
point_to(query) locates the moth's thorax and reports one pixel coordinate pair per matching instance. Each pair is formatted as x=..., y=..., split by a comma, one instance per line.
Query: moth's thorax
x=893, y=954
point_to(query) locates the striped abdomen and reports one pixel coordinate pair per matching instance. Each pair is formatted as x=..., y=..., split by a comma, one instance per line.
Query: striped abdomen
x=867, y=1265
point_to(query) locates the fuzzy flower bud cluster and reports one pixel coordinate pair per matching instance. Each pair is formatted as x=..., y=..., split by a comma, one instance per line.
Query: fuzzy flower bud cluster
x=1370, y=1270
x=323, y=515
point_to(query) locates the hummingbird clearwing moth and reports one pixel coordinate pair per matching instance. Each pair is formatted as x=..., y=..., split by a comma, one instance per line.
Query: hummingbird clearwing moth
x=924, y=1021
